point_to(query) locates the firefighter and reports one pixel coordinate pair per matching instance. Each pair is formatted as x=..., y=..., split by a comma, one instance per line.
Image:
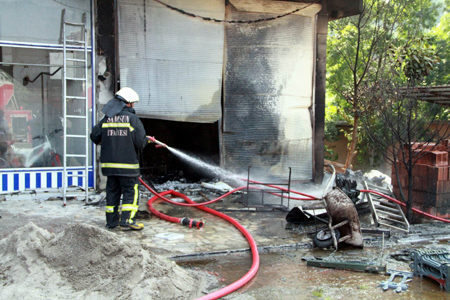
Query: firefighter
x=122, y=136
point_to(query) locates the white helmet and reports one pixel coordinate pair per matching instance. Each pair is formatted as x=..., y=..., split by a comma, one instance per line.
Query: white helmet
x=128, y=95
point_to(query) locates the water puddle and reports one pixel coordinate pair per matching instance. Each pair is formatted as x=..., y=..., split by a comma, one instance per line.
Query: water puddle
x=286, y=276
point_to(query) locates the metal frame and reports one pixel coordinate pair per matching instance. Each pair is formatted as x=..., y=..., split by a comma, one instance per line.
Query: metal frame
x=434, y=264
x=272, y=190
x=385, y=213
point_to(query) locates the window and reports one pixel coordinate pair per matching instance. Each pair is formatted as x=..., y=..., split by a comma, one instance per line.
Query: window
x=31, y=108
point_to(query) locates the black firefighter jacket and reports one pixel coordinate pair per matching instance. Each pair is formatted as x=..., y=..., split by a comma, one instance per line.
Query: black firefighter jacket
x=122, y=137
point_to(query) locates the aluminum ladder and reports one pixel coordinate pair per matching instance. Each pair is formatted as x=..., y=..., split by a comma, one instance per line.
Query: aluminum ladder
x=75, y=103
x=385, y=213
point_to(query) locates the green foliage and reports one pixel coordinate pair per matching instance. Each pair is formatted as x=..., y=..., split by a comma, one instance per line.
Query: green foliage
x=359, y=54
x=331, y=131
x=370, y=152
x=439, y=36
x=416, y=59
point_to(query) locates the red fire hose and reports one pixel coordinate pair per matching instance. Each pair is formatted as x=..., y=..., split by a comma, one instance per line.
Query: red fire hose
x=183, y=221
x=254, y=249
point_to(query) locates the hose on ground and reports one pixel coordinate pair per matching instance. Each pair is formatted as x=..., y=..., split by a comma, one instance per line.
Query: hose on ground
x=254, y=249
x=182, y=221
x=255, y=265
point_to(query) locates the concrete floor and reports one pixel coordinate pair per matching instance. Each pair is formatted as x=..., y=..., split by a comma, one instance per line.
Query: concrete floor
x=219, y=238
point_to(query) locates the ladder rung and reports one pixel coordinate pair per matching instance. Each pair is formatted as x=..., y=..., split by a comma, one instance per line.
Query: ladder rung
x=387, y=204
x=392, y=220
x=390, y=216
x=75, y=155
x=385, y=208
x=75, y=42
x=75, y=117
x=73, y=23
x=76, y=97
x=76, y=136
x=406, y=229
x=77, y=66
x=75, y=59
x=74, y=78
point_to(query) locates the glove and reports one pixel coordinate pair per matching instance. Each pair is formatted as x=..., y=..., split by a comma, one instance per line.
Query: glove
x=151, y=139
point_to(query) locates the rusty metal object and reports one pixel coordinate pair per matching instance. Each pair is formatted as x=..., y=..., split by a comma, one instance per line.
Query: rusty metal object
x=344, y=217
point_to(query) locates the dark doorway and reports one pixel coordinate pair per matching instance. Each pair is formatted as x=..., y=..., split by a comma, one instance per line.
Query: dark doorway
x=198, y=139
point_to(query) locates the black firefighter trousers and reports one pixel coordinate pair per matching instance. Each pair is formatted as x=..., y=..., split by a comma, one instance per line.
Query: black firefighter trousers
x=115, y=187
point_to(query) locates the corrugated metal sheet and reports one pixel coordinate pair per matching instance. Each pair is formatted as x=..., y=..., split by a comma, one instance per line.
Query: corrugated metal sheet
x=174, y=61
x=268, y=99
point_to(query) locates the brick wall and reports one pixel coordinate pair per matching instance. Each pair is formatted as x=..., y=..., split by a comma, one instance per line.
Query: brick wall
x=431, y=180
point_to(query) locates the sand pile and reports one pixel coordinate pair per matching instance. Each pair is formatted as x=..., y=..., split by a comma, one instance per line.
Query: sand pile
x=86, y=262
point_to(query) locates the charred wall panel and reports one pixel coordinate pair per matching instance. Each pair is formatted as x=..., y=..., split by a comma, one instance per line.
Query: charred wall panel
x=268, y=95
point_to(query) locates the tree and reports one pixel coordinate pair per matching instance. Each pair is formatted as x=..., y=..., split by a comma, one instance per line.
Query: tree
x=439, y=36
x=358, y=48
x=406, y=119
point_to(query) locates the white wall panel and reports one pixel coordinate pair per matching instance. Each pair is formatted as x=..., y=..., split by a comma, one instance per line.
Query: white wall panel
x=174, y=61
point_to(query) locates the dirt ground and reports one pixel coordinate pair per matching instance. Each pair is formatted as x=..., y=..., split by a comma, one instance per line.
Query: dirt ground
x=86, y=262
x=51, y=253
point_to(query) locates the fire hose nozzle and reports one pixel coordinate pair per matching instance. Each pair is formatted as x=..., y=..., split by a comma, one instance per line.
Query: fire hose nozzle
x=161, y=144
x=153, y=140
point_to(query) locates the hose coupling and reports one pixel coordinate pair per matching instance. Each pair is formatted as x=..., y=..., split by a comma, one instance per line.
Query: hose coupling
x=191, y=223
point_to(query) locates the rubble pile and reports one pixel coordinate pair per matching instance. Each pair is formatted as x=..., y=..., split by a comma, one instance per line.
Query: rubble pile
x=86, y=262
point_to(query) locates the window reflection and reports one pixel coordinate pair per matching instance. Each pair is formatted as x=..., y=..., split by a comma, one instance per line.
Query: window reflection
x=31, y=116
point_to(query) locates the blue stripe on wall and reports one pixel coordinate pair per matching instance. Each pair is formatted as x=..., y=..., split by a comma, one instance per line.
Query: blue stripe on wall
x=4, y=182
x=27, y=181
x=91, y=179
x=49, y=180
x=16, y=182
x=38, y=180
x=60, y=179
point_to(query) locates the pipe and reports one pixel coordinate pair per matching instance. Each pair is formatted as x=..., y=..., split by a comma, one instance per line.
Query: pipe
x=286, y=190
x=192, y=203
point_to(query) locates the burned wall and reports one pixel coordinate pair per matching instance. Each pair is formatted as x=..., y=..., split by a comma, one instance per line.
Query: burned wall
x=268, y=94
